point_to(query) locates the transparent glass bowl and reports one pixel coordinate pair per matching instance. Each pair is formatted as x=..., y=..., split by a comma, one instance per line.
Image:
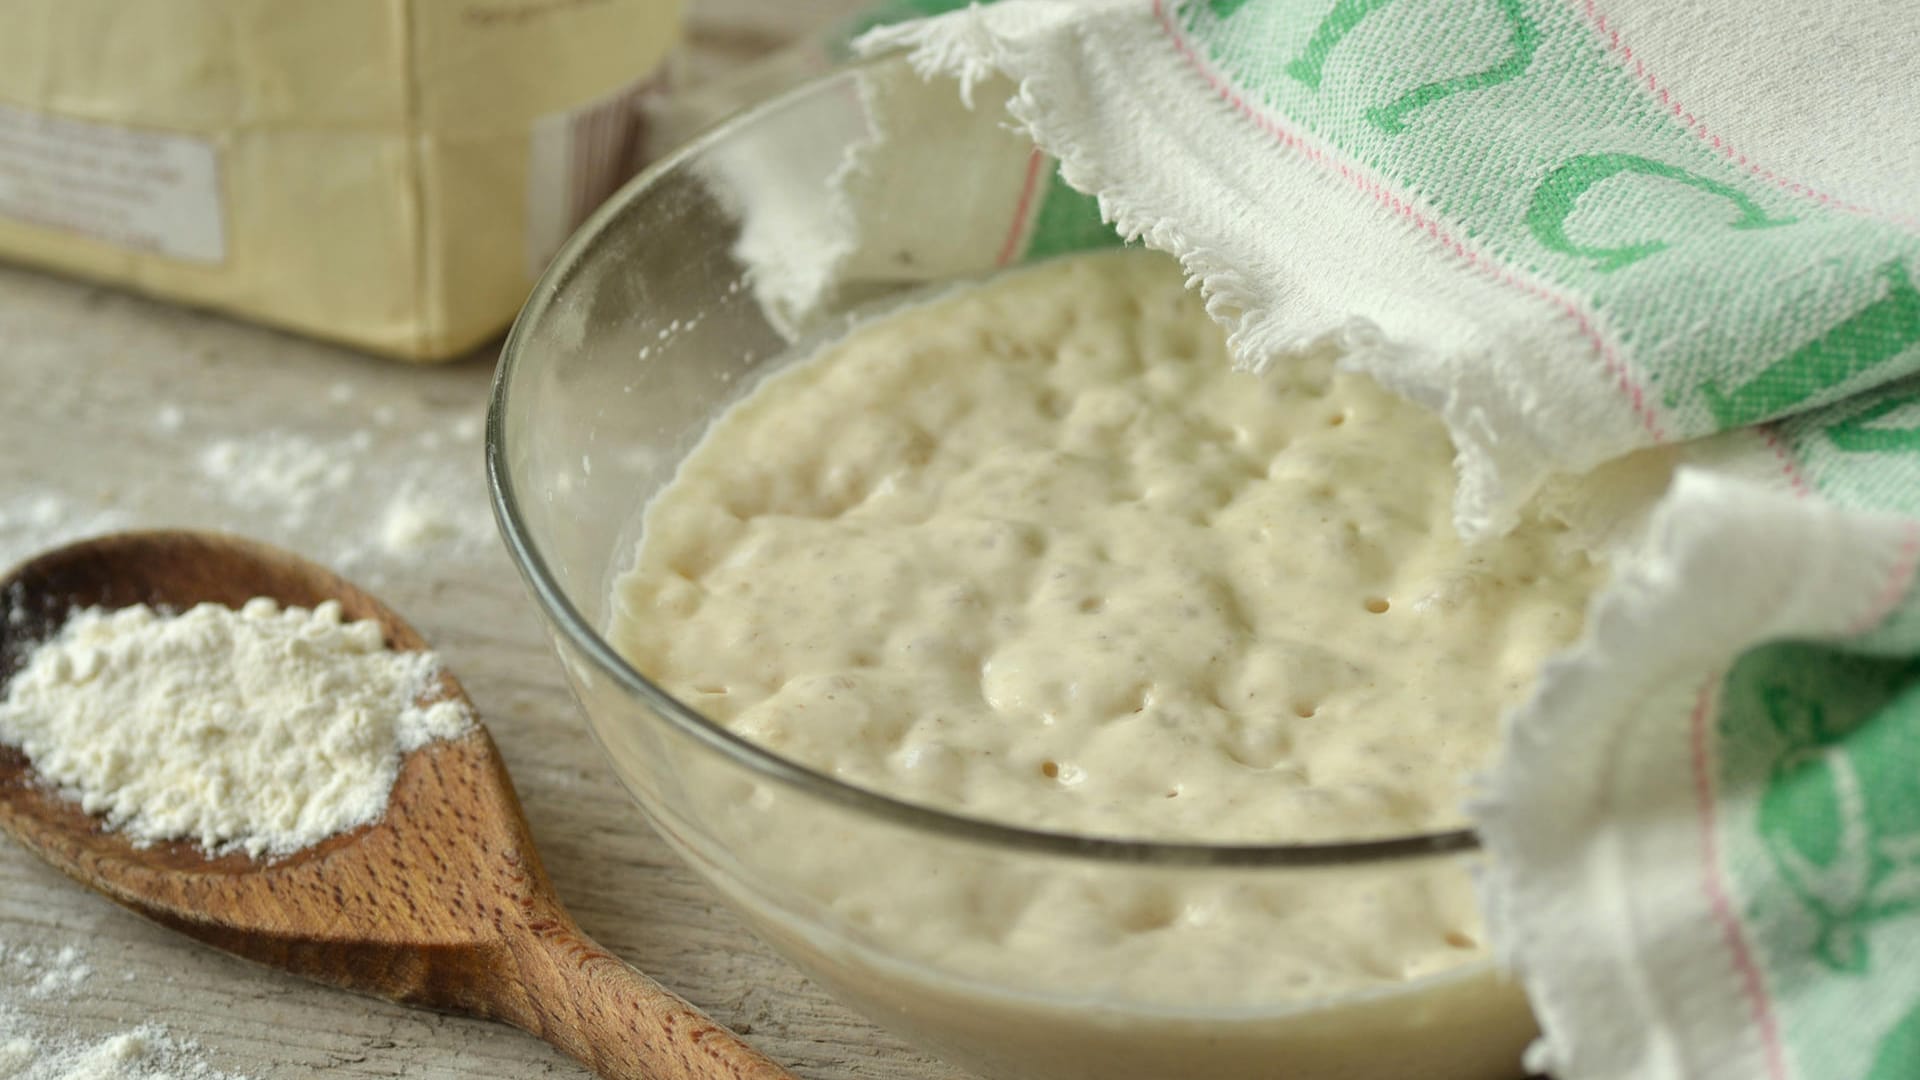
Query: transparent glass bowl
x=1022, y=955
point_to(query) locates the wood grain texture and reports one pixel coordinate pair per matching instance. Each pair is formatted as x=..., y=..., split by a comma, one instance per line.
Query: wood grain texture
x=112, y=403
x=442, y=903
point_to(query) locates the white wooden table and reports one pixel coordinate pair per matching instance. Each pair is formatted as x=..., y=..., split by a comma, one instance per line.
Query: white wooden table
x=111, y=401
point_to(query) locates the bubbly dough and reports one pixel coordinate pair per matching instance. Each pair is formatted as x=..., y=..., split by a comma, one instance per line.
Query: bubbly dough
x=1036, y=552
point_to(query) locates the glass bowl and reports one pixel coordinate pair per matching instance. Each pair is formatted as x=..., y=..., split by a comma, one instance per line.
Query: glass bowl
x=1021, y=955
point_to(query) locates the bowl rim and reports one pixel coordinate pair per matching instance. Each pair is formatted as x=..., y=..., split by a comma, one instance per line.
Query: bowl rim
x=608, y=663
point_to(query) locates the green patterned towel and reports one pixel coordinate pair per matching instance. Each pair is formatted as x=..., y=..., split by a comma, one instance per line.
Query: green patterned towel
x=1579, y=229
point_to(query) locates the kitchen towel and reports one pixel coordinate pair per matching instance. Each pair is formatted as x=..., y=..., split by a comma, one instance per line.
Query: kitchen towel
x=1579, y=230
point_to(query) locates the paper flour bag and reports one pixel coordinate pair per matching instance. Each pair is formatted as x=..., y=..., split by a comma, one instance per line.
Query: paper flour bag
x=392, y=174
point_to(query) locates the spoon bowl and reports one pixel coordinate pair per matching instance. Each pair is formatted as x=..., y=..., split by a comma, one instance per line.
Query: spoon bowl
x=442, y=903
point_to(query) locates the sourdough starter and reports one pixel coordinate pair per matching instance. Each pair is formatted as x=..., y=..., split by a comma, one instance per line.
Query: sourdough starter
x=1034, y=552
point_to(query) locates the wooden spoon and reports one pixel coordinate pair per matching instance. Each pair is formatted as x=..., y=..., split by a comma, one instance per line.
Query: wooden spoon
x=442, y=903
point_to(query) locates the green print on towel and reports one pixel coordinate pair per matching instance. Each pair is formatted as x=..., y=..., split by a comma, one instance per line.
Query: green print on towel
x=1524, y=40
x=1346, y=15
x=1899, y=1054
x=1554, y=201
x=1856, y=435
x=1864, y=340
x=1840, y=818
x=1224, y=9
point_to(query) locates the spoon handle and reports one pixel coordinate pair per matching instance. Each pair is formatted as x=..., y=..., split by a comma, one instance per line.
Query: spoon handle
x=618, y=1022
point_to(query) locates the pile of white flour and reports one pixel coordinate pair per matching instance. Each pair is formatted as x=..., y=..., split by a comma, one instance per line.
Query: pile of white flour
x=263, y=730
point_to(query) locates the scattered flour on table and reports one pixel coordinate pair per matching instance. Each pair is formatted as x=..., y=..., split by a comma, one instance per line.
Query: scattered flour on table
x=47, y=978
x=263, y=730
x=147, y=1052
x=33, y=522
x=43, y=972
x=416, y=522
x=401, y=503
x=363, y=503
x=286, y=471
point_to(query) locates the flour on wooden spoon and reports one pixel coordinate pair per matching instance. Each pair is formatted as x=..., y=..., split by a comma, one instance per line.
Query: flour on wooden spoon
x=263, y=730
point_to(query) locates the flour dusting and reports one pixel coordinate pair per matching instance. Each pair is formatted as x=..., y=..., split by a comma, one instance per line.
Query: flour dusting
x=43, y=973
x=145, y=1052
x=51, y=978
x=287, y=472
x=33, y=522
x=390, y=505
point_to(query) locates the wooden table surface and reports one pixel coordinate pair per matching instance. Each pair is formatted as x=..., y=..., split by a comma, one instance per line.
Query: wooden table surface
x=113, y=404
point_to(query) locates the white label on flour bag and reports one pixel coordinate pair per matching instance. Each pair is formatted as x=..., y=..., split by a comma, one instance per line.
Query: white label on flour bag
x=142, y=190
